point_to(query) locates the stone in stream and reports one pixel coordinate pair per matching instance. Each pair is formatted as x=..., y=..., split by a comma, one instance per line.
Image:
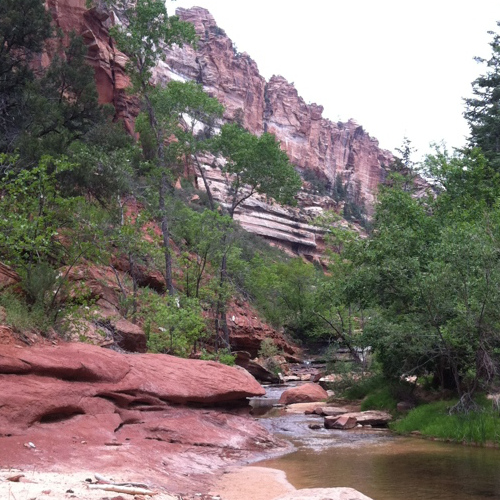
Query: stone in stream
x=305, y=408
x=343, y=422
x=307, y=393
x=330, y=411
x=365, y=418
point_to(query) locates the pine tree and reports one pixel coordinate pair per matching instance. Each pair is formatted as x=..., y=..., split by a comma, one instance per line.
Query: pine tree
x=483, y=110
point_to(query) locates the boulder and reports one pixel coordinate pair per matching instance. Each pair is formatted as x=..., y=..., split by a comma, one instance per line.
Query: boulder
x=305, y=408
x=129, y=336
x=307, y=393
x=405, y=406
x=40, y=384
x=374, y=418
x=343, y=422
x=258, y=371
x=324, y=494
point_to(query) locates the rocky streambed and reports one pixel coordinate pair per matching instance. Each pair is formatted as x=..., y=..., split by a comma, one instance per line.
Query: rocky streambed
x=375, y=461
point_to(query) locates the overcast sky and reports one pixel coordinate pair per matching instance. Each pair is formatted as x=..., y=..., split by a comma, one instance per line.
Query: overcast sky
x=398, y=67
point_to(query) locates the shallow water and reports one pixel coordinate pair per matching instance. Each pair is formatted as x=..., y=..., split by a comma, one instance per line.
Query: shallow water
x=383, y=466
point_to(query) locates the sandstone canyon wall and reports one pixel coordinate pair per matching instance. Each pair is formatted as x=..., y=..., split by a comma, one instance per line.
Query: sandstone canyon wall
x=333, y=151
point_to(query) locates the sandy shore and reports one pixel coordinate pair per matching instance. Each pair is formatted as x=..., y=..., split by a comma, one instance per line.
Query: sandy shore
x=252, y=483
x=238, y=483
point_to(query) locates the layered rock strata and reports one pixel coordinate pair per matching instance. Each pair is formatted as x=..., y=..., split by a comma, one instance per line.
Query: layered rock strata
x=334, y=152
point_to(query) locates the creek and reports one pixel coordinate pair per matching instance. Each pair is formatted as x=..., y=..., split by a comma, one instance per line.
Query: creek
x=379, y=464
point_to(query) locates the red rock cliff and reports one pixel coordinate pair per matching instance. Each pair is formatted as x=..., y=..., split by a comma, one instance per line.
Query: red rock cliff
x=331, y=150
x=311, y=141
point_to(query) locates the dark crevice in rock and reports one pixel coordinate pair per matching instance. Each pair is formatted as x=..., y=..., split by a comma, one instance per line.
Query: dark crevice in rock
x=60, y=415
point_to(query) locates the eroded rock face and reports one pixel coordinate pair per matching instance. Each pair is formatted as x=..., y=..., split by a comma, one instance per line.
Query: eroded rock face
x=108, y=62
x=95, y=409
x=335, y=152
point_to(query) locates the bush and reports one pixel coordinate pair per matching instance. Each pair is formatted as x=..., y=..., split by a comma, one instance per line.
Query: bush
x=222, y=356
x=21, y=316
x=268, y=349
x=381, y=399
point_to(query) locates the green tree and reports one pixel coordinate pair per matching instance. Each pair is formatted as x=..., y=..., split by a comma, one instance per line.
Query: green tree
x=175, y=325
x=255, y=165
x=148, y=32
x=24, y=27
x=430, y=269
x=483, y=109
x=187, y=112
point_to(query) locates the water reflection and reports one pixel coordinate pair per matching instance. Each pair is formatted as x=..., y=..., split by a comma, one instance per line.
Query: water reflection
x=383, y=466
x=397, y=469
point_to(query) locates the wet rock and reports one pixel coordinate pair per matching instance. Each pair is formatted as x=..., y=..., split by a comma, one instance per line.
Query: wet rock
x=305, y=408
x=365, y=418
x=343, y=422
x=307, y=393
x=314, y=427
x=371, y=417
x=330, y=411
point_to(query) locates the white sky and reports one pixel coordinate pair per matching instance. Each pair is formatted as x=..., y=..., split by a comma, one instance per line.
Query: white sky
x=398, y=67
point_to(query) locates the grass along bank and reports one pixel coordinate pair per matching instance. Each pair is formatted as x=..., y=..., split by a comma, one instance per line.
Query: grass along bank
x=427, y=419
x=433, y=420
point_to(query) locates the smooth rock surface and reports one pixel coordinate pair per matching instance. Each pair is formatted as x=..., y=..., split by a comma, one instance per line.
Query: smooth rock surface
x=86, y=407
x=306, y=393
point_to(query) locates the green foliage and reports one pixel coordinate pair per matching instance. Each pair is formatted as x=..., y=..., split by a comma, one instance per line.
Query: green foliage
x=205, y=237
x=434, y=420
x=24, y=26
x=318, y=184
x=483, y=110
x=283, y=293
x=383, y=399
x=32, y=211
x=257, y=162
x=173, y=324
x=58, y=107
x=430, y=269
x=221, y=356
x=99, y=173
x=268, y=349
x=23, y=317
x=149, y=30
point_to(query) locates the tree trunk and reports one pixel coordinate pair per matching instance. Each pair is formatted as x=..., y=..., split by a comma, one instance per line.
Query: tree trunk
x=165, y=230
x=205, y=182
x=221, y=305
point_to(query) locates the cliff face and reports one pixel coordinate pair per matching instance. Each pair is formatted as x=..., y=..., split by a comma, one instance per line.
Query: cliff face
x=312, y=142
x=334, y=152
